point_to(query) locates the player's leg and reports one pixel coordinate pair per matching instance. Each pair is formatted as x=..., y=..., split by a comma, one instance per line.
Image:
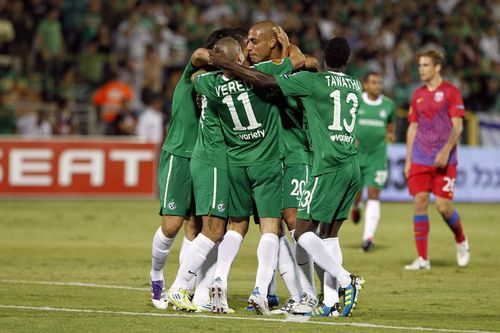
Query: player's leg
x=295, y=177
x=211, y=194
x=372, y=218
x=267, y=184
x=420, y=185
x=322, y=205
x=444, y=188
x=175, y=184
x=201, y=298
x=356, y=209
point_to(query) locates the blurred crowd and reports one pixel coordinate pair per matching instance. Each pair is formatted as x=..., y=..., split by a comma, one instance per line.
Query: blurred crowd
x=124, y=57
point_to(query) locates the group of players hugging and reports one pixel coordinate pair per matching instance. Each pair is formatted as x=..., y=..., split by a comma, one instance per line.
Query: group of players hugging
x=258, y=129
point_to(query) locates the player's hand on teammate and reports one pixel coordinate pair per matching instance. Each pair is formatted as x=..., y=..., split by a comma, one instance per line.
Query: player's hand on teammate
x=442, y=158
x=282, y=37
x=218, y=58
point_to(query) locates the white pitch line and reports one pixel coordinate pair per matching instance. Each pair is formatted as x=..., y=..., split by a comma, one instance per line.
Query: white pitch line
x=75, y=284
x=180, y=315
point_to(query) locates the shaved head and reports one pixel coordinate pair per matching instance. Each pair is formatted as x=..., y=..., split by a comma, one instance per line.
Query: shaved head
x=265, y=28
x=231, y=48
x=262, y=42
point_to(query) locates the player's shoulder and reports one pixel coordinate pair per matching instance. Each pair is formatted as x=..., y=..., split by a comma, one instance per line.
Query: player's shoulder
x=450, y=87
x=388, y=100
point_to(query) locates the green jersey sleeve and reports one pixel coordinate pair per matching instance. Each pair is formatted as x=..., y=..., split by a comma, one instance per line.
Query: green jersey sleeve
x=298, y=84
x=392, y=111
x=204, y=84
x=274, y=67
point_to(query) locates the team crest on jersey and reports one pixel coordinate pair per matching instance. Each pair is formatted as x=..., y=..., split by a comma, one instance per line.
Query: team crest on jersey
x=438, y=96
x=172, y=205
x=277, y=61
x=382, y=114
x=420, y=100
x=221, y=207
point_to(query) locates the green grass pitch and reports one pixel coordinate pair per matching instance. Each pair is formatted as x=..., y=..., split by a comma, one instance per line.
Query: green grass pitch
x=108, y=243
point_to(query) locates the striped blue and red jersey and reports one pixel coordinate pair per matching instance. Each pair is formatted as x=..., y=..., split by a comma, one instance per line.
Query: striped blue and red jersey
x=432, y=111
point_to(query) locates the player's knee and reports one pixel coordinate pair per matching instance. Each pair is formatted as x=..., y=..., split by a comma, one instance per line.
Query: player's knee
x=421, y=203
x=444, y=208
x=171, y=225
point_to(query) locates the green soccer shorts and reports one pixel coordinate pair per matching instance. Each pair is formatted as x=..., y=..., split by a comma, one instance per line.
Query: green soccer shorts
x=295, y=177
x=374, y=175
x=262, y=183
x=211, y=189
x=328, y=197
x=175, y=184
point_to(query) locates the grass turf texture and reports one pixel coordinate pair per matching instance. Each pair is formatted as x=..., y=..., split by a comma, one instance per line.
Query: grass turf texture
x=109, y=242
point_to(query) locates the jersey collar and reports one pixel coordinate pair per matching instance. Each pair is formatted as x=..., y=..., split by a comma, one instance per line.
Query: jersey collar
x=368, y=101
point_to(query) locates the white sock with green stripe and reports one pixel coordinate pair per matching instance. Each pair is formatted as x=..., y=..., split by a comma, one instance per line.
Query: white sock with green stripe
x=160, y=250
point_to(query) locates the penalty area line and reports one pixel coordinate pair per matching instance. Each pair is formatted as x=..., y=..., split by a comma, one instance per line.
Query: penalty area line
x=229, y=317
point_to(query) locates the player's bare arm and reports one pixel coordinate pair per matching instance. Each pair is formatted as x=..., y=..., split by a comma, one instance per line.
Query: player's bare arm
x=443, y=156
x=311, y=64
x=258, y=79
x=196, y=74
x=410, y=138
x=200, y=57
x=391, y=137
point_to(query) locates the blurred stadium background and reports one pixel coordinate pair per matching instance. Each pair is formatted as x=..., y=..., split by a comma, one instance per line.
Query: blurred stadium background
x=55, y=54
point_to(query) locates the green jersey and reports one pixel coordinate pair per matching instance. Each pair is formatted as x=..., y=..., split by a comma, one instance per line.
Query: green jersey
x=210, y=146
x=294, y=134
x=371, y=130
x=181, y=134
x=331, y=101
x=250, y=120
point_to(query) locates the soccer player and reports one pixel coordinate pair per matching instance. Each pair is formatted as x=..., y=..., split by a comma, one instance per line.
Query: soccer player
x=374, y=129
x=174, y=177
x=211, y=191
x=436, y=120
x=296, y=163
x=331, y=101
x=264, y=44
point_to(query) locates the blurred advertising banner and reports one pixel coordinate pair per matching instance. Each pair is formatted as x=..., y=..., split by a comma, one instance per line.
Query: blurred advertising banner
x=489, y=129
x=83, y=167
x=478, y=175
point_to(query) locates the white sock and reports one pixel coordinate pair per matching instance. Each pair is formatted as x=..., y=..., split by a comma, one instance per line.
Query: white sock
x=272, y=286
x=315, y=247
x=194, y=257
x=305, y=269
x=288, y=268
x=331, y=284
x=205, y=278
x=267, y=254
x=372, y=217
x=320, y=273
x=228, y=249
x=185, y=245
x=160, y=249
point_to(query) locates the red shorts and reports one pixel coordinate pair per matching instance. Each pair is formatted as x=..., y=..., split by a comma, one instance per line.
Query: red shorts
x=424, y=178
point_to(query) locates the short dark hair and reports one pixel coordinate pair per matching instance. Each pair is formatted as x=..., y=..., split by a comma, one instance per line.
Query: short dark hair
x=370, y=73
x=239, y=33
x=215, y=36
x=337, y=52
x=436, y=56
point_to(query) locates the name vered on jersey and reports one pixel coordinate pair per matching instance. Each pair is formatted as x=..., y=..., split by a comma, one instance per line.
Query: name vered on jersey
x=253, y=125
